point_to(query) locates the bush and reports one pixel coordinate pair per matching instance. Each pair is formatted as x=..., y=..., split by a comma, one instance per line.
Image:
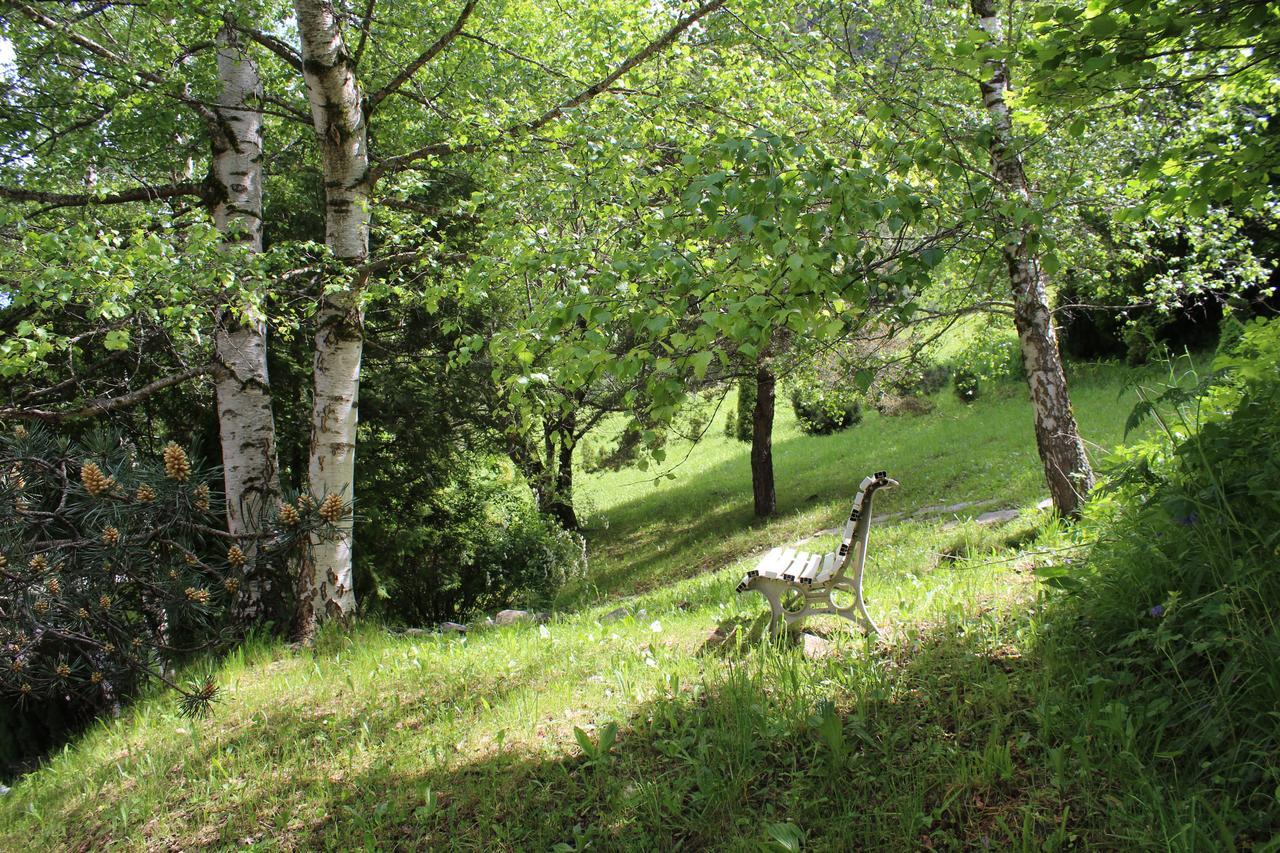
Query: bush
x=824, y=410
x=740, y=422
x=476, y=544
x=967, y=384
x=1177, y=599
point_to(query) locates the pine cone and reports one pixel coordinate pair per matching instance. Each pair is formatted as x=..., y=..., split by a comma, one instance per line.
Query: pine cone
x=202, y=497
x=39, y=563
x=110, y=537
x=105, y=602
x=20, y=432
x=145, y=494
x=235, y=557
x=197, y=595
x=306, y=503
x=231, y=585
x=55, y=587
x=176, y=465
x=289, y=515
x=41, y=607
x=95, y=482
x=4, y=561
x=331, y=509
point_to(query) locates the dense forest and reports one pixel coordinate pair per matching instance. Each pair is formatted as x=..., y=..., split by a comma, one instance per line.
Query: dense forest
x=345, y=332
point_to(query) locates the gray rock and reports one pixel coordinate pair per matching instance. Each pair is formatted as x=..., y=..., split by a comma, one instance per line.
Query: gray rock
x=415, y=632
x=998, y=517
x=452, y=628
x=615, y=615
x=1047, y=503
x=510, y=617
x=4, y=789
x=815, y=647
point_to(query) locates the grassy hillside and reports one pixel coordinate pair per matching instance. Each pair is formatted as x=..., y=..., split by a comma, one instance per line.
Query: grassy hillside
x=952, y=732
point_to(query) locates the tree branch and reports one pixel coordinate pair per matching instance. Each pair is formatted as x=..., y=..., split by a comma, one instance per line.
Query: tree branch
x=162, y=191
x=423, y=58
x=392, y=165
x=103, y=405
x=275, y=45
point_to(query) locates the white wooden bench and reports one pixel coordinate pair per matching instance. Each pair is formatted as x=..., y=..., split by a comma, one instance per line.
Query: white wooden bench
x=798, y=584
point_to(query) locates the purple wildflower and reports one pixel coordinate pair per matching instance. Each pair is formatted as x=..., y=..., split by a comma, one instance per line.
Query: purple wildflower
x=1189, y=519
x=1156, y=612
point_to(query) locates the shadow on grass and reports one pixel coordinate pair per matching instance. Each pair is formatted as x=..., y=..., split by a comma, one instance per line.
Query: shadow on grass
x=932, y=744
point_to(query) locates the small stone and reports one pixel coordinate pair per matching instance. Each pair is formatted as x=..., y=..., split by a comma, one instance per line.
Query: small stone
x=815, y=647
x=1047, y=503
x=615, y=615
x=452, y=627
x=4, y=789
x=415, y=632
x=510, y=617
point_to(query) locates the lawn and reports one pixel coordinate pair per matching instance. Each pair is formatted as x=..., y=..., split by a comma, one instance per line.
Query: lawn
x=637, y=733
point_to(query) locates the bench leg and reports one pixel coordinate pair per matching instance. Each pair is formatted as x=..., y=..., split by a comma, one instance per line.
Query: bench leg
x=861, y=616
x=772, y=591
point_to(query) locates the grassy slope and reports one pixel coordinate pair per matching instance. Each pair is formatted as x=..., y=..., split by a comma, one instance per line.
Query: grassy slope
x=948, y=732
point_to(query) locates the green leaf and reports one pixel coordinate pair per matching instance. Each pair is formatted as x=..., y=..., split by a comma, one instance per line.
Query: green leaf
x=116, y=339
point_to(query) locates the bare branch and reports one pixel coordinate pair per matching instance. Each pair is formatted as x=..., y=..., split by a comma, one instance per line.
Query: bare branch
x=423, y=58
x=398, y=163
x=285, y=52
x=104, y=405
x=156, y=193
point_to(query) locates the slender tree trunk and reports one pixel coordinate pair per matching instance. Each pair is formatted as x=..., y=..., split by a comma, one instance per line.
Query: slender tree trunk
x=246, y=426
x=325, y=588
x=1057, y=437
x=561, y=505
x=766, y=498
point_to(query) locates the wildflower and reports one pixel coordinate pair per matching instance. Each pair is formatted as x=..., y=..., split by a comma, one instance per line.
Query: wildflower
x=95, y=482
x=331, y=509
x=1156, y=612
x=176, y=465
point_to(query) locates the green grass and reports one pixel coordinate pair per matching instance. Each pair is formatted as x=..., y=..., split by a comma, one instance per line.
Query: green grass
x=951, y=733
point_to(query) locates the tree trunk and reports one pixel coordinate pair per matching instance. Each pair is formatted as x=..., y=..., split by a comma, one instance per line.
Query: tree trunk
x=1057, y=437
x=766, y=498
x=246, y=426
x=561, y=505
x=325, y=588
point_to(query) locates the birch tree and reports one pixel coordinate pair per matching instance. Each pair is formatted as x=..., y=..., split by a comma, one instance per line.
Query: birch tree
x=1058, y=441
x=245, y=420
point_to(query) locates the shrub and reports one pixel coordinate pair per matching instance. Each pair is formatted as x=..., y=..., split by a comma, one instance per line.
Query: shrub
x=740, y=422
x=824, y=410
x=966, y=384
x=1177, y=599
x=477, y=543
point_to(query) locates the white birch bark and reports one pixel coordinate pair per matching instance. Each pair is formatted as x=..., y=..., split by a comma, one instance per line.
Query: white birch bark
x=1062, y=452
x=325, y=588
x=246, y=425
